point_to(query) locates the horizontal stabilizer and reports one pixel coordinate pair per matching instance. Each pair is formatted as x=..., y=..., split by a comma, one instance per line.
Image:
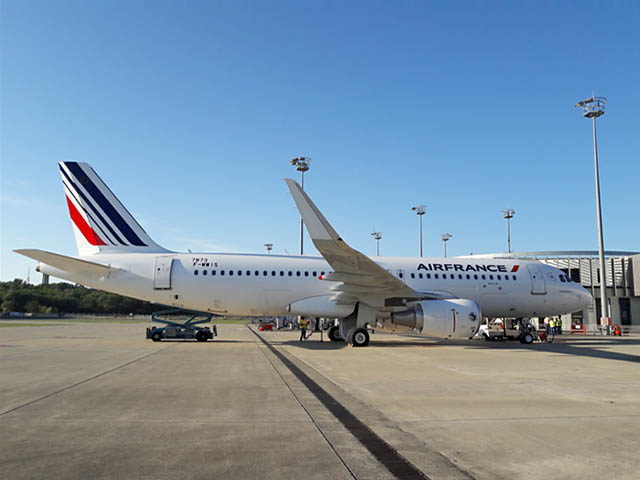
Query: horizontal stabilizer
x=67, y=264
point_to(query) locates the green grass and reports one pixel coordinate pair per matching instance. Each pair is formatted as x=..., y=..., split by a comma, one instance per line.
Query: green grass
x=57, y=321
x=24, y=324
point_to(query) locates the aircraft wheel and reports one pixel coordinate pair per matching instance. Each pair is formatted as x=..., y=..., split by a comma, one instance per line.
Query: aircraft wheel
x=156, y=336
x=334, y=334
x=359, y=337
x=201, y=337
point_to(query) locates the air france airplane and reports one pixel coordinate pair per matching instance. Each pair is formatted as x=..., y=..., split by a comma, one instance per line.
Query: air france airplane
x=436, y=297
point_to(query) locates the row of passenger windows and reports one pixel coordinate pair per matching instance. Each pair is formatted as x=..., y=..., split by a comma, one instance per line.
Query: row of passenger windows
x=256, y=273
x=460, y=276
x=274, y=273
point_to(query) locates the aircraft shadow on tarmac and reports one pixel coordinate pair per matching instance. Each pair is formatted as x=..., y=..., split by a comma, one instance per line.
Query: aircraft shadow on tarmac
x=564, y=346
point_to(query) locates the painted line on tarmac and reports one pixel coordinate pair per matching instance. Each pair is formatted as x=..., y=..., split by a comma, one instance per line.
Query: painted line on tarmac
x=388, y=456
x=84, y=381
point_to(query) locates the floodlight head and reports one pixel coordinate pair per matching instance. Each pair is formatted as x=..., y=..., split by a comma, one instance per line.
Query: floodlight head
x=376, y=235
x=508, y=213
x=301, y=163
x=592, y=107
x=419, y=209
x=446, y=236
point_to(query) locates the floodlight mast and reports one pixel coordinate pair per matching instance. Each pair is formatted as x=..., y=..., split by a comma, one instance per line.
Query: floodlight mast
x=302, y=164
x=508, y=214
x=445, y=239
x=593, y=108
x=377, y=236
x=420, y=211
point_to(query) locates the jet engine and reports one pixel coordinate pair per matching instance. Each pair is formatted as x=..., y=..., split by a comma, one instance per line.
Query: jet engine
x=455, y=318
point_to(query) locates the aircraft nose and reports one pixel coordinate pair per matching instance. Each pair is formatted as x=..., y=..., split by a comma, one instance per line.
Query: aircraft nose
x=585, y=297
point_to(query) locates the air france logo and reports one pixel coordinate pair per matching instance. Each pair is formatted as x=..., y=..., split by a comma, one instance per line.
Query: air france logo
x=457, y=267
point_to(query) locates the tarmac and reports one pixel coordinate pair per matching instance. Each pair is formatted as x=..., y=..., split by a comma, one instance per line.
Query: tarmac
x=91, y=400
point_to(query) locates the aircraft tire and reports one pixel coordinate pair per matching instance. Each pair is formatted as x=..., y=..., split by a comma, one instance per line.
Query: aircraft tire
x=334, y=334
x=359, y=337
x=156, y=336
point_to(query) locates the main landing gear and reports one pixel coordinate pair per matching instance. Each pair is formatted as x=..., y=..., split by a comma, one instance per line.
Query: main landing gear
x=358, y=337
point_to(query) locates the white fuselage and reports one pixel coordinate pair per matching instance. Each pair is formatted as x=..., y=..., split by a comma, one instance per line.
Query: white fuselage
x=256, y=285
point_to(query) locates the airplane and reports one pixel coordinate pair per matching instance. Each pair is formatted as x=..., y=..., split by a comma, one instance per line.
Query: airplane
x=435, y=297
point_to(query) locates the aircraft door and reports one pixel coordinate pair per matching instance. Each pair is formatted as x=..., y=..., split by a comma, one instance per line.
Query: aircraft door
x=162, y=273
x=538, y=286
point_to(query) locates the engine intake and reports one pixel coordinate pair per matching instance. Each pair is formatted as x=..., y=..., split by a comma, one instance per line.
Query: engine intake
x=455, y=318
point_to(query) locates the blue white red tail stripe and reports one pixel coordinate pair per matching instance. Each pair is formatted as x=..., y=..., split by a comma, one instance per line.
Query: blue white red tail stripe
x=73, y=188
x=104, y=204
x=101, y=222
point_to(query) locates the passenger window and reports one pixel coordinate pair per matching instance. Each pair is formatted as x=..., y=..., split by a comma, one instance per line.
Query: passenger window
x=322, y=273
x=222, y=272
x=484, y=277
x=264, y=273
x=513, y=276
x=306, y=274
x=468, y=277
x=498, y=277
x=435, y=275
x=281, y=273
x=490, y=277
x=428, y=275
x=460, y=276
x=231, y=273
x=273, y=273
x=290, y=273
x=400, y=275
x=314, y=274
x=195, y=272
x=419, y=275
x=475, y=277
x=248, y=273
x=204, y=272
x=297, y=273
x=413, y=275
x=213, y=272
x=257, y=273
x=239, y=273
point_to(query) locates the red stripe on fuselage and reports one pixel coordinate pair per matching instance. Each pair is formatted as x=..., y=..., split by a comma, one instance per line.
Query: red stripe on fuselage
x=91, y=236
x=515, y=268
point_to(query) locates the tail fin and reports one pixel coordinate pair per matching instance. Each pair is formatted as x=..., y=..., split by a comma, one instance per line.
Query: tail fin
x=100, y=222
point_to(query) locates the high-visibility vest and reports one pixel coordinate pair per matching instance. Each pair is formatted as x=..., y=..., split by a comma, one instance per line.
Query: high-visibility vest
x=303, y=324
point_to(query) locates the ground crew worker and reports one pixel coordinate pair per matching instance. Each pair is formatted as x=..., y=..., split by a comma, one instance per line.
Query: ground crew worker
x=552, y=325
x=303, y=329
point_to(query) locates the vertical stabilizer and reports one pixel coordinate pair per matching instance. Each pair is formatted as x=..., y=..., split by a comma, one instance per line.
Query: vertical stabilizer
x=100, y=222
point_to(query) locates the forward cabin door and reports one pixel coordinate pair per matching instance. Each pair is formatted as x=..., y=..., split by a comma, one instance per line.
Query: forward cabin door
x=162, y=273
x=538, y=286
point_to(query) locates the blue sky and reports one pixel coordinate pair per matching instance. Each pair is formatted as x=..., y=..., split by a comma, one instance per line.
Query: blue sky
x=190, y=111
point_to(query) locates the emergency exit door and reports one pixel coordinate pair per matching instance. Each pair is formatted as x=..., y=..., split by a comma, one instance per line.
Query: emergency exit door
x=162, y=273
x=538, y=286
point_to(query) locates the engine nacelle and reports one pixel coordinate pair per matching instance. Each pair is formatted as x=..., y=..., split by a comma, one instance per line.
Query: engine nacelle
x=455, y=318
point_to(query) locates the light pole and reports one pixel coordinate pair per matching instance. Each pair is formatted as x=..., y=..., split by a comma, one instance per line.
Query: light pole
x=593, y=108
x=302, y=165
x=377, y=236
x=269, y=247
x=445, y=239
x=420, y=211
x=508, y=214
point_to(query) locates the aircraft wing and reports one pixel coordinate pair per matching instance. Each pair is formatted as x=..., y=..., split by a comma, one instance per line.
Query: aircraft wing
x=362, y=278
x=67, y=264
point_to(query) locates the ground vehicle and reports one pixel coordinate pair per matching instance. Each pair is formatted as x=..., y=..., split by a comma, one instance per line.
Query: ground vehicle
x=264, y=326
x=186, y=330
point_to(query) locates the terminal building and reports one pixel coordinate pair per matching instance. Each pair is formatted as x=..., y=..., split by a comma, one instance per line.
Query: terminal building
x=623, y=283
